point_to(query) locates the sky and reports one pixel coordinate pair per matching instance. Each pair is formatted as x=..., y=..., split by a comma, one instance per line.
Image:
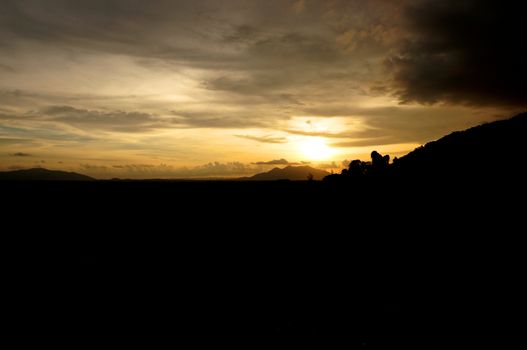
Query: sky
x=203, y=88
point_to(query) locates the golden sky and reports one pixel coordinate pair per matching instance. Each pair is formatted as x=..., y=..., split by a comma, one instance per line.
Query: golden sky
x=125, y=88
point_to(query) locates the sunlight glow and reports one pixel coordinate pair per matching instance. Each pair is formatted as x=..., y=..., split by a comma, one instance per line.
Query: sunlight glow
x=315, y=148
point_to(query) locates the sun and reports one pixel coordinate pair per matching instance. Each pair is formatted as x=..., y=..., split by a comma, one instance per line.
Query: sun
x=315, y=148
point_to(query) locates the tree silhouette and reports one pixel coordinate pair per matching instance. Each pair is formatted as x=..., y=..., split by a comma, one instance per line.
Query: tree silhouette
x=357, y=168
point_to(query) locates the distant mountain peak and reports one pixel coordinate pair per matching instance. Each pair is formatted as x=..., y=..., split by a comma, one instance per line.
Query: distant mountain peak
x=290, y=173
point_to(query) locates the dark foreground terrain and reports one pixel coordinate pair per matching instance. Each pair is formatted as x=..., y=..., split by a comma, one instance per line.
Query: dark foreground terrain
x=421, y=255
x=270, y=265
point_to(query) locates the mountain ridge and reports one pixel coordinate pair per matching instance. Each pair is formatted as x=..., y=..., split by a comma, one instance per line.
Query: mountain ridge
x=294, y=173
x=42, y=174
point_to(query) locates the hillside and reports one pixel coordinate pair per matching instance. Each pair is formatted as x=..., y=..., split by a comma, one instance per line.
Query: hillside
x=491, y=149
x=41, y=174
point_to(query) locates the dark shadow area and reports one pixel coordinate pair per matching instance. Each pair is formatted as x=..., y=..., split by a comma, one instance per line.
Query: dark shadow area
x=423, y=253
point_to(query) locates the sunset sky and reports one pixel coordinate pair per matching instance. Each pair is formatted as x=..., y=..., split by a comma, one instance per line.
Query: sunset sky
x=159, y=88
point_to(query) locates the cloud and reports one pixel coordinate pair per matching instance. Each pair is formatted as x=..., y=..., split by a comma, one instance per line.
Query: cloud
x=243, y=34
x=102, y=25
x=20, y=154
x=6, y=68
x=142, y=171
x=318, y=133
x=122, y=120
x=281, y=161
x=326, y=166
x=109, y=120
x=134, y=167
x=463, y=52
x=13, y=141
x=203, y=120
x=299, y=6
x=93, y=167
x=358, y=142
x=264, y=139
x=258, y=48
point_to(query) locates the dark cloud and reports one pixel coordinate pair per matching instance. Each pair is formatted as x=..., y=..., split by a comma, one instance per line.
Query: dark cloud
x=173, y=31
x=20, y=154
x=281, y=161
x=256, y=46
x=469, y=51
x=264, y=139
x=103, y=25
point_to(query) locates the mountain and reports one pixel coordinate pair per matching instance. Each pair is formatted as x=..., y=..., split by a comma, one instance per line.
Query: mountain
x=290, y=173
x=40, y=174
x=490, y=150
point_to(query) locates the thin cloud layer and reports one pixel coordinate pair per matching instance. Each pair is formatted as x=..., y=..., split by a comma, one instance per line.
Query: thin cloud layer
x=264, y=139
x=281, y=161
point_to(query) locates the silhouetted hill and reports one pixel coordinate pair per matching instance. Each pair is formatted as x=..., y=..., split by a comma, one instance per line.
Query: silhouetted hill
x=290, y=173
x=489, y=150
x=40, y=174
